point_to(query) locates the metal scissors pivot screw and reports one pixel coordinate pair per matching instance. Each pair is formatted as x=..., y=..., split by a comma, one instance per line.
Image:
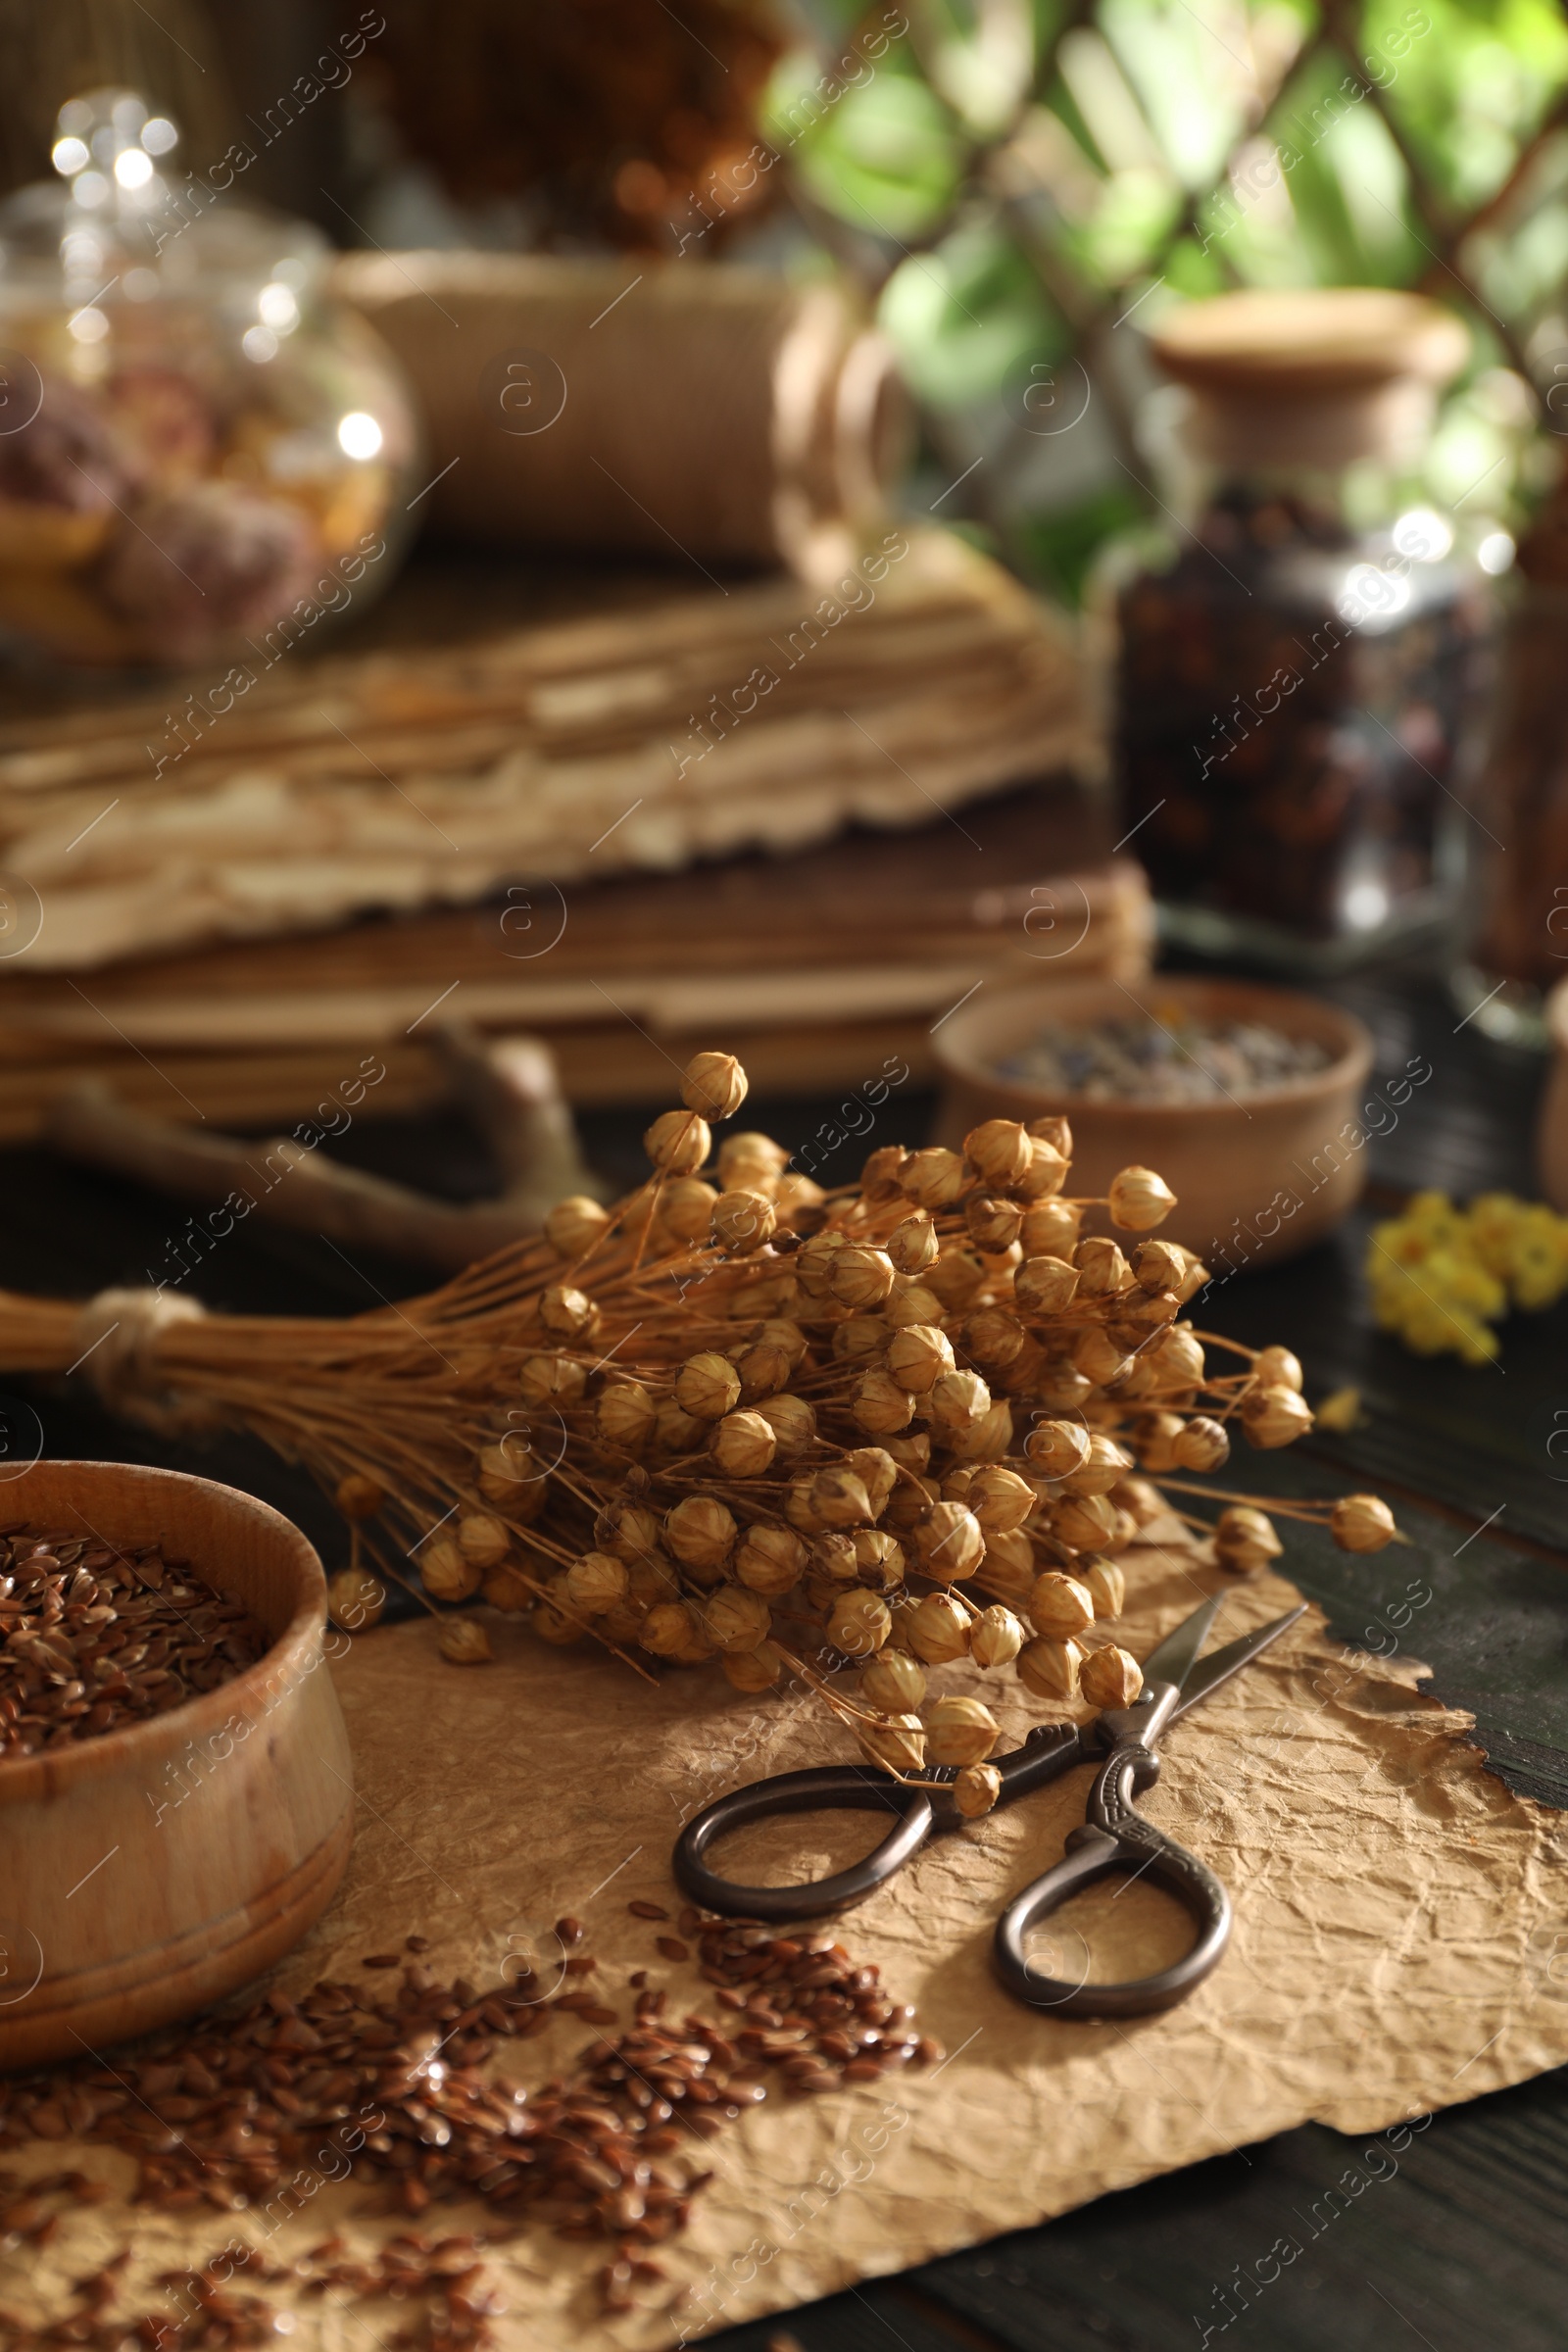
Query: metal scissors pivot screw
x=1115, y=1841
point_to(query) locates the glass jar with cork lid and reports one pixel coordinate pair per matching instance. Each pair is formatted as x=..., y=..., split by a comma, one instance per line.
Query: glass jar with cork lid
x=1296, y=656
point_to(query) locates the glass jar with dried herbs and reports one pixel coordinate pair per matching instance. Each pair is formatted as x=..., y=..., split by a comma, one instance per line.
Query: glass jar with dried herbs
x=1297, y=658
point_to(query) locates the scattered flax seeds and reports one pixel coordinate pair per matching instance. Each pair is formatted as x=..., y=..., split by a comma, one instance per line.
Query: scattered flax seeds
x=94, y=1637
x=397, y=2086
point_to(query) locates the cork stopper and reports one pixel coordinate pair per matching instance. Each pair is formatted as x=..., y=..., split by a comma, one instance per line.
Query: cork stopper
x=1315, y=376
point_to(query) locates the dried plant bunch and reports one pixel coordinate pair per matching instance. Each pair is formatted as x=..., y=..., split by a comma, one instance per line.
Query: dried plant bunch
x=737, y=1423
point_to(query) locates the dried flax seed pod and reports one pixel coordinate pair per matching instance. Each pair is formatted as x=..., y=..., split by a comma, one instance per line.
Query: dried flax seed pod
x=912, y=1302
x=959, y=1730
x=1139, y=1199
x=625, y=1416
x=1000, y=1500
x=713, y=1084
x=1064, y=1389
x=1361, y=1523
x=1245, y=1539
x=1275, y=1416
x=574, y=1226
x=878, y=1558
x=568, y=1313
x=939, y=1630
x=1154, y=1435
x=1000, y=1149
x=1203, y=1444
x=919, y=1357
x=707, y=1386
x=976, y=1790
x=956, y=1279
x=1086, y=1522
x=994, y=1224
x=1058, y=1448
x=667, y=1629
x=743, y=1444
x=860, y=1340
x=354, y=1599
x=1045, y=1286
x=597, y=1582
x=879, y=1177
x=950, y=1542
x=893, y=1682
x=629, y=1530
x=676, y=1430
x=1176, y=1356
x=860, y=1276
x=482, y=1540
x=686, y=1208
x=752, y=1163
x=1059, y=1606
x=913, y=1245
x=1051, y=1669
x=1045, y=1173
x=1100, y=1358
x=1105, y=1465
x=1105, y=1583
x=1050, y=1229
x=897, y=1742
x=678, y=1142
x=957, y=1402
x=793, y=1422
x=994, y=1338
x=743, y=1222
x=1277, y=1367
x=996, y=1638
x=771, y=1561
x=753, y=1670
x=700, y=1532
x=463, y=1641
x=1111, y=1678
x=932, y=1179
x=445, y=1571
x=859, y=1623
x=840, y=1500
x=764, y=1370
x=507, y=1588
x=879, y=1405
x=734, y=1618
x=833, y=1556
x=545, y=1379
x=1103, y=1271
x=877, y=1472
x=555, y=1620
x=358, y=1496
x=1010, y=1568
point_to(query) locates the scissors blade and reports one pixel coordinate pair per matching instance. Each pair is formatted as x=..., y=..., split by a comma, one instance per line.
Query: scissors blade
x=1221, y=1664
x=1174, y=1659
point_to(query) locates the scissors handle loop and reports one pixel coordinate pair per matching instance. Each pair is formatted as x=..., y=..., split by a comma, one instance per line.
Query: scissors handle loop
x=1115, y=1840
x=833, y=1788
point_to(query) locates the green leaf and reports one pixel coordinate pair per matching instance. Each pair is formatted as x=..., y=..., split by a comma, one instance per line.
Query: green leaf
x=883, y=154
x=1064, y=542
x=963, y=316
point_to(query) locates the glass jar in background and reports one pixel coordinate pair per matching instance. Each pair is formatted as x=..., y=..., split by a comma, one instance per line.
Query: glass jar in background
x=198, y=453
x=1296, y=683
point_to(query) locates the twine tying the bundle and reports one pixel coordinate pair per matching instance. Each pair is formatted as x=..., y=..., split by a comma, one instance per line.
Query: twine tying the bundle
x=118, y=1334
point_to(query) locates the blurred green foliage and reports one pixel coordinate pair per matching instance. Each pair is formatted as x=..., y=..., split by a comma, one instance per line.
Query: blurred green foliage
x=1022, y=184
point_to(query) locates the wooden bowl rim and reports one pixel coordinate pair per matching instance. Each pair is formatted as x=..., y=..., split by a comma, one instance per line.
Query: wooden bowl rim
x=1290, y=1011
x=57, y=1769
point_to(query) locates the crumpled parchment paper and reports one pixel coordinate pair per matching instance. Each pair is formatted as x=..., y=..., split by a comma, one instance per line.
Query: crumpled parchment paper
x=1401, y=1944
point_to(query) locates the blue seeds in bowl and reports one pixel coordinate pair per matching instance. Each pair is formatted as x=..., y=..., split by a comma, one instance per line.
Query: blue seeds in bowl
x=1176, y=1061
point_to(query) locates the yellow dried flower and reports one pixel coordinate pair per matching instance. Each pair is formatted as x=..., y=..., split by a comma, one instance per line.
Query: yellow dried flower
x=1139, y=1199
x=959, y=1730
x=1059, y=1606
x=743, y=1444
x=354, y=1599
x=769, y=1560
x=574, y=1224
x=1111, y=1678
x=463, y=1641
x=713, y=1084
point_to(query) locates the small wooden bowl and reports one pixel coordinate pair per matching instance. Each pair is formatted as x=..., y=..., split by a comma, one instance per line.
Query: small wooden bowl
x=1255, y=1179
x=152, y=1870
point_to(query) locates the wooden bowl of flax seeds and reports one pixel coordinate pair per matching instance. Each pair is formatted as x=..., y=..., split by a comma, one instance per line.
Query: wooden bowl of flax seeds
x=175, y=1792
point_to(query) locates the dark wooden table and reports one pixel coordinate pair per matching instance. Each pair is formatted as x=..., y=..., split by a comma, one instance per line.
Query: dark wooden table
x=1463, y=2249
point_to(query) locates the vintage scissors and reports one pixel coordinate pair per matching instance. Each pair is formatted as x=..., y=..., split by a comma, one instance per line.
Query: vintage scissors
x=1114, y=1839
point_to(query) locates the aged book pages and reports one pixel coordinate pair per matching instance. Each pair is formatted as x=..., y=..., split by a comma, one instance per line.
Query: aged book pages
x=1399, y=1946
